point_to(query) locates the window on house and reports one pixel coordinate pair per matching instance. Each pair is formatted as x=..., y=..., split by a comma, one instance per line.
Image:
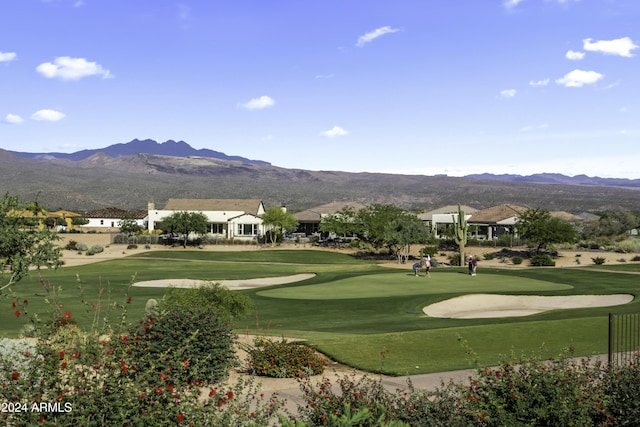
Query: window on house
x=217, y=228
x=102, y=222
x=247, y=229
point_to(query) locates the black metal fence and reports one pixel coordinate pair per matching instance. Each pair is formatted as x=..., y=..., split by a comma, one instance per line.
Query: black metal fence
x=624, y=338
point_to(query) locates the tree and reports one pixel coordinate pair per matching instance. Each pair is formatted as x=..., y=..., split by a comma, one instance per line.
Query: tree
x=22, y=247
x=280, y=221
x=374, y=220
x=129, y=226
x=185, y=223
x=540, y=228
x=342, y=223
x=611, y=224
x=404, y=231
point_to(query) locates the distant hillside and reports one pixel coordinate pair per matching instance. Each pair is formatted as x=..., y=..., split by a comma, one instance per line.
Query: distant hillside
x=147, y=146
x=130, y=181
x=556, y=178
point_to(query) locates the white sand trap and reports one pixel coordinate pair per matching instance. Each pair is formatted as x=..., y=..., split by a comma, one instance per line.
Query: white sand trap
x=476, y=306
x=229, y=284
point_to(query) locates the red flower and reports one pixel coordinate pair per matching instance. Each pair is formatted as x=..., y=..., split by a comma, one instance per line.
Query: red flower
x=75, y=354
x=17, y=313
x=128, y=300
x=163, y=377
x=27, y=353
x=25, y=302
x=41, y=420
x=212, y=392
x=142, y=396
x=14, y=304
x=230, y=395
x=63, y=365
x=221, y=402
x=61, y=355
x=159, y=390
x=170, y=388
x=180, y=417
x=15, y=376
x=123, y=338
x=66, y=315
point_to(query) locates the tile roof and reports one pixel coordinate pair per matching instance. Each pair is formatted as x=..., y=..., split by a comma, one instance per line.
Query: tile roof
x=316, y=213
x=243, y=205
x=496, y=214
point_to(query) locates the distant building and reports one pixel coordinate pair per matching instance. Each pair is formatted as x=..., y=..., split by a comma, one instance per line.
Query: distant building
x=309, y=220
x=228, y=218
x=108, y=219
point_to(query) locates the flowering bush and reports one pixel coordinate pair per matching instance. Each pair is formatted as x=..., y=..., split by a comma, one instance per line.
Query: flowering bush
x=283, y=359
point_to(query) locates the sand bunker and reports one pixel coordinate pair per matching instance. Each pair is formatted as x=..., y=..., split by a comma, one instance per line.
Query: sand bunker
x=475, y=306
x=229, y=284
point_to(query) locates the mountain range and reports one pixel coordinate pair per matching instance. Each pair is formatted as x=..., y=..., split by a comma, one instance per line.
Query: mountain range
x=129, y=175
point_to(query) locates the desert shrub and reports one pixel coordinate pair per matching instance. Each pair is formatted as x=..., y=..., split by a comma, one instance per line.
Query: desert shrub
x=71, y=245
x=535, y=392
x=283, y=359
x=489, y=256
x=598, y=260
x=429, y=250
x=209, y=297
x=189, y=344
x=120, y=239
x=454, y=259
x=627, y=246
x=96, y=249
x=623, y=388
x=147, y=246
x=542, y=261
x=516, y=260
x=132, y=246
x=81, y=247
x=636, y=258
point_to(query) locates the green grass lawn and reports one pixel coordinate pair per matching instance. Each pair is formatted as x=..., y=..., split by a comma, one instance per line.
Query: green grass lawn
x=355, y=311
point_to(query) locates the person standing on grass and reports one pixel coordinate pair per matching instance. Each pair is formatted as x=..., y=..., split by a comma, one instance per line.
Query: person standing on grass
x=416, y=268
x=470, y=265
x=474, y=264
x=427, y=265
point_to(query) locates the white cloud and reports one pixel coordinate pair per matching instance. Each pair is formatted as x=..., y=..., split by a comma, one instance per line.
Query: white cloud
x=620, y=47
x=511, y=4
x=258, y=103
x=13, y=119
x=579, y=78
x=324, y=76
x=539, y=83
x=7, y=56
x=574, y=56
x=67, y=68
x=371, y=36
x=508, y=93
x=334, y=132
x=48, y=115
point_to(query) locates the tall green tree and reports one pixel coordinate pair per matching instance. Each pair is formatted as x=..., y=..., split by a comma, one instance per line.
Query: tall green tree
x=344, y=223
x=402, y=232
x=128, y=225
x=538, y=227
x=23, y=246
x=280, y=221
x=374, y=220
x=186, y=223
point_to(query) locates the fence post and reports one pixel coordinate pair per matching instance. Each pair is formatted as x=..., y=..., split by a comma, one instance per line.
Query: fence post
x=611, y=331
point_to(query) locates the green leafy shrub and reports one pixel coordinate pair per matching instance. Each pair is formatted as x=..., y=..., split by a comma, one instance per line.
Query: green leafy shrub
x=429, y=250
x=283, y=359
x=598, y=260
x=516, y=260
x=209, y=297
x=71, y=245
x=636, y=258
x=454, y=259
x=627, y=246
x=542, y=261
x=81, y=247
x=132, y=247
x=489, y=256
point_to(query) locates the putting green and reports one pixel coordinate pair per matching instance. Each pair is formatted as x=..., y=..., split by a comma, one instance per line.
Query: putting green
x=398, y=284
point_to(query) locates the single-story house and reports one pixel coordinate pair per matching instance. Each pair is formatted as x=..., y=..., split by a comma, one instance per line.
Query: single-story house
x=309, y=220
x=491, y=223
x=108, y=219
x=228, y=218
x=438, y=220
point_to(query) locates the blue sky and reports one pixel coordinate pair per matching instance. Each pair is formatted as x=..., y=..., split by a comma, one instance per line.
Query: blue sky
x=402, y=86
